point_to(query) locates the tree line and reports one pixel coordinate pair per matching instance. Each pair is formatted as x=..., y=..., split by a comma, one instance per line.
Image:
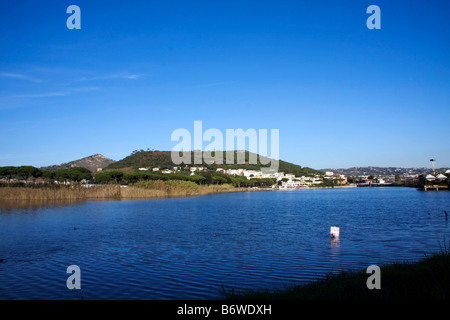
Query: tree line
x=25, y=173
x=29, y=174
x=205, y=177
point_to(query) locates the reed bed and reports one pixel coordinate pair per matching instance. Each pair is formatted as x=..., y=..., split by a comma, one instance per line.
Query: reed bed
x=140, y=190
x=59, y=193
x=171, y=188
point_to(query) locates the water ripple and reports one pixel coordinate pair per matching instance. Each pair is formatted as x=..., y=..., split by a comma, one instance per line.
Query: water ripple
x=190, y=248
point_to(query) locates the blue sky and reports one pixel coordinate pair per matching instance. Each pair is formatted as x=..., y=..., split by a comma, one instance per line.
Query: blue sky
x=340, y=94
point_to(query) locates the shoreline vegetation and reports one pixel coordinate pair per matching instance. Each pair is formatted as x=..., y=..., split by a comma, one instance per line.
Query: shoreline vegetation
x=139, y=190
x=152, y=174
x=151, y=189
x=427, y=279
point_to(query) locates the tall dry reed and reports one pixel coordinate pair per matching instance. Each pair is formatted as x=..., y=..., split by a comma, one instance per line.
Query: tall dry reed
x=144, y=189
x=60, y=193
x=171, y=188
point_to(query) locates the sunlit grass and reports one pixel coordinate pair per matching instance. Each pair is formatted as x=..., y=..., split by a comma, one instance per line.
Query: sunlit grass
x=140, y=190
x=171, y=188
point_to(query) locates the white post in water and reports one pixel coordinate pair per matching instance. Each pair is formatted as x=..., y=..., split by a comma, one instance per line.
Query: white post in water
x=334, y=232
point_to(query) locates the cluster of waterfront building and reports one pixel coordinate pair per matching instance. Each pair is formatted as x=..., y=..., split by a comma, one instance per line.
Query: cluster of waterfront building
x=283, y=180
x=290, y=181
x=329, y=178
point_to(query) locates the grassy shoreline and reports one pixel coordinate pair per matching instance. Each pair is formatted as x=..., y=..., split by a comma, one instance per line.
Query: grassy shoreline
x=141, y=190
x=427, y=279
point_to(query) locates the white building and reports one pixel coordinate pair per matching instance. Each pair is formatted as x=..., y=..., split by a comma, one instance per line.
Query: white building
x=317, y=180
x=235, y=172
x=289, y=176
x=290, y=184
x=249, y=174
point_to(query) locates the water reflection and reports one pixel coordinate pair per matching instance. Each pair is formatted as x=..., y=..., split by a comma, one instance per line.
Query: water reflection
x=335, y=245
x=33, y=204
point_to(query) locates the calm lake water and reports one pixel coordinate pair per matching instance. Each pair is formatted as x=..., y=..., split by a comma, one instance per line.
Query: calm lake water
x=188, y=248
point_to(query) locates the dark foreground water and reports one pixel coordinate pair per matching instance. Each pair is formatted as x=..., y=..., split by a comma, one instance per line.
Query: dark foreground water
x=188, y=248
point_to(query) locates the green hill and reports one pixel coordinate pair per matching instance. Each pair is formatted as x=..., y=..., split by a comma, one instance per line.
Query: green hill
x=163, y=160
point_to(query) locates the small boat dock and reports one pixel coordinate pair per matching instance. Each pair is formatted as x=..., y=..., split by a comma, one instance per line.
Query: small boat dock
x=434, y=188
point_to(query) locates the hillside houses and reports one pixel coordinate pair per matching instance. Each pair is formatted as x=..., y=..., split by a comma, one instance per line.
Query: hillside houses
x=283, y=180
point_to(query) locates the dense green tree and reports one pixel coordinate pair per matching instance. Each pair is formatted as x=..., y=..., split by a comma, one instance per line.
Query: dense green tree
x=116, y=175
x=208, y=177
x=8, y=172
x=103, y=177
x=197, y=179
x=112, y=176
x=62, y=175
x=179, y=176
x=239, y=181
x=78, y=174
x=218, y=180
x=47, y=175
x=27, y=171
x=133, y=177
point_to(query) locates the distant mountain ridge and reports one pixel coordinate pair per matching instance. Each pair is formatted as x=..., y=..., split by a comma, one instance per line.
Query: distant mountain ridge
x=383, y=171
x=92, y=163
x=162, y=159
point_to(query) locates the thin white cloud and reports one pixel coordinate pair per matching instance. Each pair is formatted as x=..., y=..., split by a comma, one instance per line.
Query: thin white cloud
x=56, y=93
x=130, y=76
x=43, y=95
x=19, y=76
x=133, y=76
